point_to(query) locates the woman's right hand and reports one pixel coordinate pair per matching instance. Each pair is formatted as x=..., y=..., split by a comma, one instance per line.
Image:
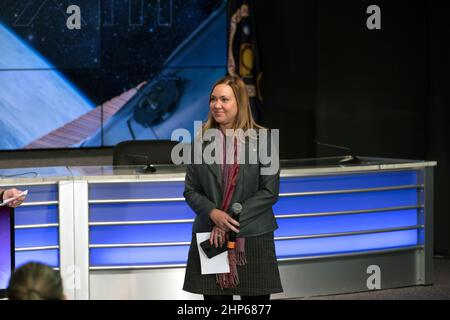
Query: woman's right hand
x=223, y=220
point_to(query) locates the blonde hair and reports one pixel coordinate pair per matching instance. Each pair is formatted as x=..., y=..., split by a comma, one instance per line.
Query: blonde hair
x=244, y=119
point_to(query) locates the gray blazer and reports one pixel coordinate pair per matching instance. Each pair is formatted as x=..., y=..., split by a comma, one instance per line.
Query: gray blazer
x=257, y=193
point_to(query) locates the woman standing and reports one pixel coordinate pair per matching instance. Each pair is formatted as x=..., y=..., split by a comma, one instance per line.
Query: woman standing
x=211, y=189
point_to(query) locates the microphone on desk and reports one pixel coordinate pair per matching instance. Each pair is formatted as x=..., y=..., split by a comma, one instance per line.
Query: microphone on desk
x=148, y=167
x=348, y=159
x=236, y=208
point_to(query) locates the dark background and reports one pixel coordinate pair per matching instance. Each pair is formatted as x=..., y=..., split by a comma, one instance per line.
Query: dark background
x=384, y=93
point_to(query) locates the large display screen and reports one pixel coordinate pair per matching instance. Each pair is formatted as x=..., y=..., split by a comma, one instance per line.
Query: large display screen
x=92, y=73
x=6, y=247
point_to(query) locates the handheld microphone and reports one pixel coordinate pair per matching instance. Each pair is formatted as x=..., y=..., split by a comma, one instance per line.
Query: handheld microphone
x=236, y=209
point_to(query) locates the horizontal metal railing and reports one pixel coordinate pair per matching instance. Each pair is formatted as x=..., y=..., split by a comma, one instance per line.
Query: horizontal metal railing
x=36, y=248
x=143, y=222
x=146, y=200
x=36, y=226
x=138, y=245
x=39, y=203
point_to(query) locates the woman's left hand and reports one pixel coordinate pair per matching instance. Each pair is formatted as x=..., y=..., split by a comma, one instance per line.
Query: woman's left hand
x=217, y=237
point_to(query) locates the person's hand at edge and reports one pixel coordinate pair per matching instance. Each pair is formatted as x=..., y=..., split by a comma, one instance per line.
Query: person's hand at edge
x=10, y=193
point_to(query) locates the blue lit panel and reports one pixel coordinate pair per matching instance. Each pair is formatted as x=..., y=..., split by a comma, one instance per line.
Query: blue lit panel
x=157, y=233
x=140, y=211
x=136, y=190
x=139, y=256
x=346, y=223
x=150, y=233
x=38, y=237
x=36, y=215
x=348, y=181
x=48, y=257
x=345, y=244
x=346, y=201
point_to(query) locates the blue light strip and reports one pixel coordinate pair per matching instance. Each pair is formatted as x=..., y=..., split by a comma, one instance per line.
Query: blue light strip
x=38, y=237
x=138, y=190
x=140, y=211
x=346, y=181
x=346, y=223
x=345, y=244
x=346, y=202
x=152, y=233
x=49, y=257
x=36, y=215
x=136, y=256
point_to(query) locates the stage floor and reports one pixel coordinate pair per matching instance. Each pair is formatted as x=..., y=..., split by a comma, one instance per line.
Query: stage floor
x=440, y=290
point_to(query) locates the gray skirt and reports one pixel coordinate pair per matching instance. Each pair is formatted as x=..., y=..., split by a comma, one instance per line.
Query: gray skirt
x=260, y=276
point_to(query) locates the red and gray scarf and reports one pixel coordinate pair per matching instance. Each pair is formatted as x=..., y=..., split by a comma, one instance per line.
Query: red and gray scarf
x=236, y=256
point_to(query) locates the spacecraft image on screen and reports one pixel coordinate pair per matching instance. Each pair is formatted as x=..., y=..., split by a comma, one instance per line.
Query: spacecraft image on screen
x=135, y=69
